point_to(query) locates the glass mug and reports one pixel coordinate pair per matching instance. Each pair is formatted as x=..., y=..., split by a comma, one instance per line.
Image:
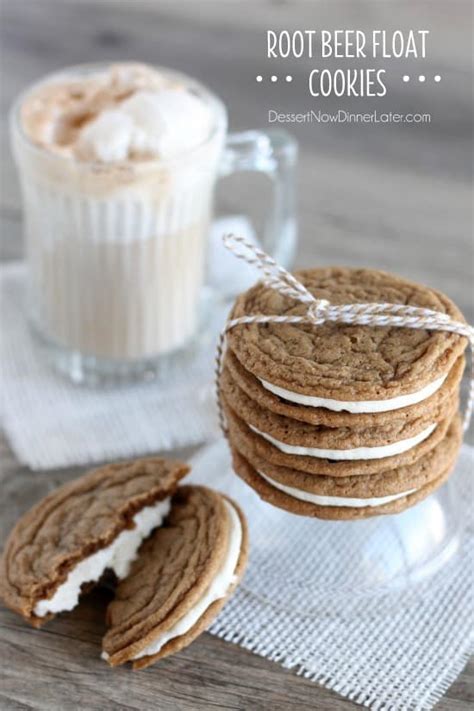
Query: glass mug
x=116, y=253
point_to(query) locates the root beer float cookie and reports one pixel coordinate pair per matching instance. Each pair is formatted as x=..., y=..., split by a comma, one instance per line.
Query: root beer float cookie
x=384, y=437
x=182, y=577
x=177, y=554
x=242, y=380
x=349, y=497
x=351, y=368
x=315, y=462
x=81, y=529
x=312, y=407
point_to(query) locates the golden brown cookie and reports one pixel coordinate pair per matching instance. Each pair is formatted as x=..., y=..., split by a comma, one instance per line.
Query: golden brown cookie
x=384, y=483
x=343, y=362
x=387, y=493
x=182, y=577
x=252, y=387
x=382, y=432
x=252, y=442
x=74, y=534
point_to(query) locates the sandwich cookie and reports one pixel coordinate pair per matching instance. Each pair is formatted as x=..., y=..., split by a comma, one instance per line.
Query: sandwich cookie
x=236, y=379
x=350, y=497
x=80, y=530
x=318, y=462
x=182, y=577
x=390, y=437
x=339, y=367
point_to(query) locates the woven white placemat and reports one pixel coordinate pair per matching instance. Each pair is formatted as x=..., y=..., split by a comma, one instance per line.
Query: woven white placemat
x=391, y=648
x=51, y=423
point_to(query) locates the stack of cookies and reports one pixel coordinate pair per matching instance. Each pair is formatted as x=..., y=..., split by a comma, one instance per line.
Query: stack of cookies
x=341, y=421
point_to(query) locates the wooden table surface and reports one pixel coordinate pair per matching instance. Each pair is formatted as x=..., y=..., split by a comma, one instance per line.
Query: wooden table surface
x=393, y=196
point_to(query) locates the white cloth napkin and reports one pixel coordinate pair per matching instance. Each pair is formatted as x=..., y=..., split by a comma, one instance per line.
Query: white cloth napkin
x=51, y=423
x=343, y=604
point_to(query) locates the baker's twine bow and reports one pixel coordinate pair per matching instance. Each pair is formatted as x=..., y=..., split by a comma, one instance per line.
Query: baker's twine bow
x=320, y=311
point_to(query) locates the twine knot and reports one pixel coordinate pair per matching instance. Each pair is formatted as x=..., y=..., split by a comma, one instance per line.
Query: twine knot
x=318, y=311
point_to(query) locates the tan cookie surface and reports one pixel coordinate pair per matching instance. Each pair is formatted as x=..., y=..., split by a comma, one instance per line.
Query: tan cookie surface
x=255, y=443
x=75, y=521
x=282, y=500
x=340, y=361
x=253, y=388
x=297, y=433
x=384, y=483
x=173, y=570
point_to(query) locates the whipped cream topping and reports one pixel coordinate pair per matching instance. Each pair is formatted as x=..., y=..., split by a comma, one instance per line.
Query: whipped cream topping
x=357, y=406
x=386, y=450
x=147, y=125
x=128, y=112
x=118, y=556
x=218, y=588
x=334, y=500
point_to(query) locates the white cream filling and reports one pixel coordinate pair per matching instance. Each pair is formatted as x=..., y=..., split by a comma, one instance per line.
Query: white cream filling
x=358, y=406
x=216, y=590
x=117, y=556
x=386, y=450
x=334, y=500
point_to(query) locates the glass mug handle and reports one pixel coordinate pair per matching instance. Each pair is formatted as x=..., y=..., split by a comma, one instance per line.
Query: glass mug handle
x=273, y=153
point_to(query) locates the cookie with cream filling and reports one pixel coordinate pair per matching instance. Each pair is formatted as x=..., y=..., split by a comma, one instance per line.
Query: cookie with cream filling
x=85, y=527
x=358, y=369
x=182, y=577
x=307, y=461
x=351, y=497
x=381, y=439
x=265, y=399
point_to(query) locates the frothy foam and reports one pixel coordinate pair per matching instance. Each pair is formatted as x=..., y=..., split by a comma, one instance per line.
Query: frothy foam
x=126, y=113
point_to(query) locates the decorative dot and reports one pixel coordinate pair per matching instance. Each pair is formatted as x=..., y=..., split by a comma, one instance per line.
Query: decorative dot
x=421, y=78
x=259, y=78
x=274, y=78
x=437, y=78
x=406, y=77
x=289, y=77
